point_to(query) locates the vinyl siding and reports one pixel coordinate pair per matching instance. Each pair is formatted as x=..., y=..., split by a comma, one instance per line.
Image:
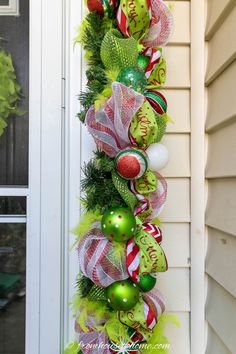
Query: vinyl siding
x=221, y=176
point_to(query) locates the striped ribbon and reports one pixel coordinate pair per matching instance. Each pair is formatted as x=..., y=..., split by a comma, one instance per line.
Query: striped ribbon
x=155, y=57
x=154, y=306
x=144, y=201
x=133, y=251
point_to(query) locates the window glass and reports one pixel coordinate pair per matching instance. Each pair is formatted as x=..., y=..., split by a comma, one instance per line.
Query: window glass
x=4, y=2
x=12, y=205
x=14, y=142
x=12, y=288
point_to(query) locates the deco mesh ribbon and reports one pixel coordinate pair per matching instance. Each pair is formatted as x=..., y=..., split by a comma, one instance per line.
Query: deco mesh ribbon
x=151, y=203
x=99, y=262
x=118, y=52
x=109, y=126
x=97, y=258
x=149, y=21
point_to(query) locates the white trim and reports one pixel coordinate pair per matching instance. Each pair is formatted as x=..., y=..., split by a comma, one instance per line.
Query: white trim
x=14, y=192
x=12, y=219
x=10, y=10
x=197, y=177
x=72, y=72
x=46, y=202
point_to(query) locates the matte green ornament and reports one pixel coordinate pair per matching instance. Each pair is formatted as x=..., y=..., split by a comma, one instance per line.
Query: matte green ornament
x=143, y=61
x=122, y=295
x=147, y=282
x=133, y=77
x=118, y=224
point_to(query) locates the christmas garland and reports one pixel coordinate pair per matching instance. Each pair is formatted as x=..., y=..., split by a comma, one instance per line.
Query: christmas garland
x=117, y=307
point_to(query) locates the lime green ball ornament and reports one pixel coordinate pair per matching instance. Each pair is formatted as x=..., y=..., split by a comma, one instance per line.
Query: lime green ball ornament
x=118, y=224
x=143, y=61
x=147, y=282
x=122, y=295
x=133, y=77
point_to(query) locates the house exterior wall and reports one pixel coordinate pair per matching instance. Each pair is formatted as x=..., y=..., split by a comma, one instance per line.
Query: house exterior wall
x=221, y=176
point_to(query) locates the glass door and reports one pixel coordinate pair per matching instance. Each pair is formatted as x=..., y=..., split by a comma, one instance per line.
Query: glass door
x=14, y=50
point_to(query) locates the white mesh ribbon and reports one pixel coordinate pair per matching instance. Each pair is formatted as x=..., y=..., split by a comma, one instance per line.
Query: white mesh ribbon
x=158, y=198
x=110, y=125
x=97, y=261
x=161, y=26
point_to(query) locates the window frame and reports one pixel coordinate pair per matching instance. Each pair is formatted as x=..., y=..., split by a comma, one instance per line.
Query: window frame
x=12, y=9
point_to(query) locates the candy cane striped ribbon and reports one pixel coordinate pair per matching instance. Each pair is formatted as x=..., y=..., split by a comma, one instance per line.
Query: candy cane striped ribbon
x=150, y=317
x=133, y=260
x=144, y=201
x=155, y=57
x=154, y=306
x=122, y=21
x=133, y=251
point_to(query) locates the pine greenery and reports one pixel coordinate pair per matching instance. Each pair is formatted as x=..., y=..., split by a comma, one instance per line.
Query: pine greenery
x=84, y=285
x=100, y=192
x=92, y=37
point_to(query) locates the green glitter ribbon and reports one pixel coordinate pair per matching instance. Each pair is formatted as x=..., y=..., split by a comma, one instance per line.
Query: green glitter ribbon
x=118, y=52
x=122, y=187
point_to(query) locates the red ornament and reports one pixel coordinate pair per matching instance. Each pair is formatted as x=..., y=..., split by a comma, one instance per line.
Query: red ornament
x=96, y=5
x=100, y=6
x=128, y=166
x=131, y=163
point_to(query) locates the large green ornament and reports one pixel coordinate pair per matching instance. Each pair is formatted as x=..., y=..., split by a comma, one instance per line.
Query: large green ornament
x=133, y=77
x=122, y=295
x=143, y=61
x=147, y=282
x=118, y=224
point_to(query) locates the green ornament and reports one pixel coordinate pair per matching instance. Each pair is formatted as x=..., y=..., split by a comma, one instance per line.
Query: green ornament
x=118, y=224
x=122, y=295
x=143, y=61
x=133, y=77
x=147, y=282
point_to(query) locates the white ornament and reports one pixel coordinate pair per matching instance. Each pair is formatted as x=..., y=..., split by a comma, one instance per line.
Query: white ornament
x=158, y=156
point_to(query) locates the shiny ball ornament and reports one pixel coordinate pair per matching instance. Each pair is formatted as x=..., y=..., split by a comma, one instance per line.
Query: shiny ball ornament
x=118, y=224
x=157, y=101
x=96, y=5
x=131, y=163
x=147, y=282
x=134, y=78
x=122, y=295
x=143, y=61
x=100, y=6
x=158, y=156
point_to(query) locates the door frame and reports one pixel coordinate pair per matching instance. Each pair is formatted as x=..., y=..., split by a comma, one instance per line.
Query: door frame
x=53, y=206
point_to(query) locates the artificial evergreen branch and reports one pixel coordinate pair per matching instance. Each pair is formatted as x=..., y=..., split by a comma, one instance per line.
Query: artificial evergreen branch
x=97, y=184
x=84, y=285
